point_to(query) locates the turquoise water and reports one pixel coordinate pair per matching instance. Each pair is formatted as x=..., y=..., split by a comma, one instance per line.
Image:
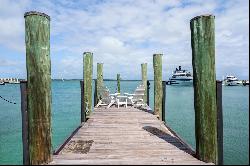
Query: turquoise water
x=179, y=116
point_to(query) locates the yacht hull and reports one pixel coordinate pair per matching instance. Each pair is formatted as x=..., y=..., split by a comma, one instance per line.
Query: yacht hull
x=181, y=82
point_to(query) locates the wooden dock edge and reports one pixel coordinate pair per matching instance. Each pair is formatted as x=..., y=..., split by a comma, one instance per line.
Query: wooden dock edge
x=58, y=150
x=190, y=149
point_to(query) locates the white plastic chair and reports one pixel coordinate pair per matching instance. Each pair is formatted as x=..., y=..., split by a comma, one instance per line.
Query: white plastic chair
x=122, y=100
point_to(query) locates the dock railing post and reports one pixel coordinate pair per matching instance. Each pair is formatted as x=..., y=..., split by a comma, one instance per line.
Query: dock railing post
x=95, y=92
x=87, y=77
x=99, y=81
x=25, y=127
x=144, y=80
x=118, y=83
x=203, y=62
x=148, y=87
x=219, y=121
x=163, y=101
x=157, y=64
x=38, y=64
x=83, y=113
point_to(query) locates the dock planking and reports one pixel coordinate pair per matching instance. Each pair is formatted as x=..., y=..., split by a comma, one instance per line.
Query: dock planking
x=124, y=136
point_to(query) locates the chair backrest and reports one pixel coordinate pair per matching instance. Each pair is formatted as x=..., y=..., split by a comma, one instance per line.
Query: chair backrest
x=104, y=94
x=140, y=90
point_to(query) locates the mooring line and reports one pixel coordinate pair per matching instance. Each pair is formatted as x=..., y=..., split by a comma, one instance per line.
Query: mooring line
x=8, y=100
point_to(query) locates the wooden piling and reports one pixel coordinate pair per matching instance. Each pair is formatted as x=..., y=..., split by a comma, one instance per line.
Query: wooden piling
x=118, y=83
x=99, y=81
x=83, y=113
x=148, y=87
x=219, y=122
x=157, y=62
x=87, y=76
x=37, y=40
x=95, y=92
x=164, y=101
x=144, y=80
x=203, y=61
x=25, y=127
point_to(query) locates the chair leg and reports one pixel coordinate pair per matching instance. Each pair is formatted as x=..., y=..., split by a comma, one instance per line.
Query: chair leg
x=112, y=102
x=98, y=104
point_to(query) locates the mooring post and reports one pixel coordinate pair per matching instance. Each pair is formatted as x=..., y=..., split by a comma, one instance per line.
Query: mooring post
x=148, y=87
x=37, y=40
x=83, y=113
x=144, y=80
x=163, y=100
x=157, y=62
x=87, y=76
x=118, y=83
x=203, y=61
x=25, y=127
x=219, y=121
x=95, y=92
x=99, y=82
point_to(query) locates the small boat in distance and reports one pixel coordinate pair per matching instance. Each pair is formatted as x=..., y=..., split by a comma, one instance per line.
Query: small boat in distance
x=245, y=82
x=231, y=80
x=2, y=83
x=181, y=77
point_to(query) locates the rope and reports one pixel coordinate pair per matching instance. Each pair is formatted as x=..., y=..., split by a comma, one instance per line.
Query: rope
x=8, y=100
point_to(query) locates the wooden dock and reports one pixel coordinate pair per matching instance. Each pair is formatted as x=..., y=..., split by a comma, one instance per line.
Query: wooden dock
x=124, y=136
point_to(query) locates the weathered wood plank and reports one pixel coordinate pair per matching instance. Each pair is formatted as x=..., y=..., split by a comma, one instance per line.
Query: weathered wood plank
x=37, y=40
x=203, y=61
x=87, y=76
x=123, y=137
x=157, y=64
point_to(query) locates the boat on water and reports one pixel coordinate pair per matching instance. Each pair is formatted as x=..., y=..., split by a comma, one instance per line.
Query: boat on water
x=9, y=81
x=231, y=80
x=245, y=82
x=181, y=77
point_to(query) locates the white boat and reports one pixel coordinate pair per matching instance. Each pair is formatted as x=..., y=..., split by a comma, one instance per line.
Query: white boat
x=2, y=83
x=181, y=77
x=231, y=80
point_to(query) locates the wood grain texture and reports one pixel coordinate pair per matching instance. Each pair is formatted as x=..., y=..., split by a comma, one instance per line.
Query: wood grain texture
x=124, y=136
x=144, y=80
x=99, y=81
x=37, y=40
x=157, y=64
x=203, y=61
x=87, y=76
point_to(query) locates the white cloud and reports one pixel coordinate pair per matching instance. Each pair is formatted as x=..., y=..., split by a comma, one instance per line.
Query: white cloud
x=123, y=34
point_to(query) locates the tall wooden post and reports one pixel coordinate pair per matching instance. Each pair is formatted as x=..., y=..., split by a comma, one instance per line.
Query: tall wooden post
x=144, y=80
x=203, y=61
x=37, y=39
x=99, y=81
x=95, y=92
x=83, y=113
x=157, y=62
x=118, y=83
x=219, y=122
x=164, y=101
x=25, y=125
x=148, y=87
x=87, y=76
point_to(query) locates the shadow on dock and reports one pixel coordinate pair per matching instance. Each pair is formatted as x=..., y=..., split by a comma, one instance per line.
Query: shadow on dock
x=168, y=138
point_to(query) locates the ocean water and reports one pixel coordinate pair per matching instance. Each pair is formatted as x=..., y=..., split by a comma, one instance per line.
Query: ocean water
x=179, y=116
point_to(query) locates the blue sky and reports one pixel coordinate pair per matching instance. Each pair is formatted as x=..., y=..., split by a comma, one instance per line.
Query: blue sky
x=122, y=34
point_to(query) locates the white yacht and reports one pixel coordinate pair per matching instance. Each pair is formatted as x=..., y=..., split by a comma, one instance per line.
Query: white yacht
x=181, y=77
x=232, y=81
